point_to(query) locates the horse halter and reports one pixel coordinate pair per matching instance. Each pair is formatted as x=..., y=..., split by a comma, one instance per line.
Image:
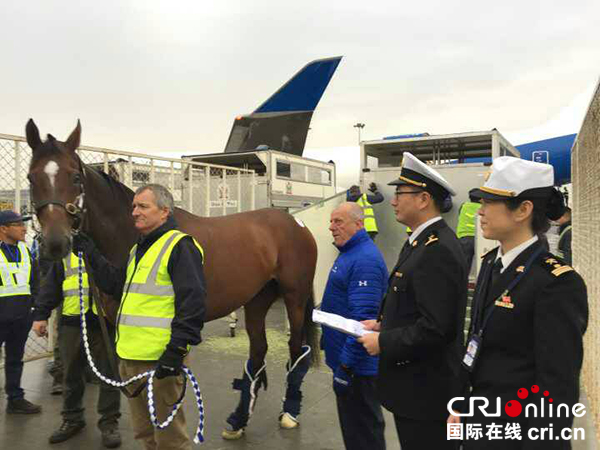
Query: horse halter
x=76, y=209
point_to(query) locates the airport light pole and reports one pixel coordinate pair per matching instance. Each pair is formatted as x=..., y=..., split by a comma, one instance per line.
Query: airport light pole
x=359, y=126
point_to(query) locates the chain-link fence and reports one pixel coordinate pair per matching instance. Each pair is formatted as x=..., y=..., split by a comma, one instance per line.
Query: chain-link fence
x=202, y=189
x=586, y=241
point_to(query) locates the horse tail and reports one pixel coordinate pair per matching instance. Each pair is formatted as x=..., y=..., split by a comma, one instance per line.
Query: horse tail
x=311, y=331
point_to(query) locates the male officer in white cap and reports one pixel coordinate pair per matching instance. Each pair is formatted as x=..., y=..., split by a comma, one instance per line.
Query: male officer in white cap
x=529, y=314
x=419, y=334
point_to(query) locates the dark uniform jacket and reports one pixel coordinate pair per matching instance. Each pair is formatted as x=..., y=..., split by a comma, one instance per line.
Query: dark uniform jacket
x=186, y=272
x=536, y=341
x=18, y=306
x=422, y=326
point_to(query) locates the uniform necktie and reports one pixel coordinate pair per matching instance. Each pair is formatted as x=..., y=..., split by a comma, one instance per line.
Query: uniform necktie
x=496, y=270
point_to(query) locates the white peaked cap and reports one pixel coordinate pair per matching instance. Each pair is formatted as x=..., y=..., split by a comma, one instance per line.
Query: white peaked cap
x=511, y=177
x=416, y=172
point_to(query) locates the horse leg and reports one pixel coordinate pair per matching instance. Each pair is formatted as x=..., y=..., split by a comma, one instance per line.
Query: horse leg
x=300, y=357
x=254, y=374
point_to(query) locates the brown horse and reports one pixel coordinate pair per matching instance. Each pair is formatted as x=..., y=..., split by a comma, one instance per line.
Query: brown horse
x=252, y=258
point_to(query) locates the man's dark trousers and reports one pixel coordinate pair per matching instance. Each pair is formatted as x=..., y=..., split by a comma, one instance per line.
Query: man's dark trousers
x=74, y=363
x=14, y=333
x=361, y=419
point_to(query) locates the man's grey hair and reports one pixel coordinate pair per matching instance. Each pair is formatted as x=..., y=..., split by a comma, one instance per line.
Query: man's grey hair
x=354, y=210
x=164, y=199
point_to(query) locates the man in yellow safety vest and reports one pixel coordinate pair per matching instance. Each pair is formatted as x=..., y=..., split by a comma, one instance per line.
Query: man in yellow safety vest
x=61, y=288
x=18, y=289
x=366, y=201
x=161, y=312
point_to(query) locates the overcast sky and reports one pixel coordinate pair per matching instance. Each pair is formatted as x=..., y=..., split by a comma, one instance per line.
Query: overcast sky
x=170, y=76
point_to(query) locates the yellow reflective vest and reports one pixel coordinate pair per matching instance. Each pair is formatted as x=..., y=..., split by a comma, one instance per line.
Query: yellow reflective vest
x=15, y=276
x=370, y=223
x=466, y=219
x=148, y=302
x=70, y=288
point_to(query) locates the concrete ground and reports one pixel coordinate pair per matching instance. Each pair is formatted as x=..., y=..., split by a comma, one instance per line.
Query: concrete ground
x=215, y=362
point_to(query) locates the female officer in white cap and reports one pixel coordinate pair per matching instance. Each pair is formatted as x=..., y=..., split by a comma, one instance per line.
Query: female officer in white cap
x=529, y=314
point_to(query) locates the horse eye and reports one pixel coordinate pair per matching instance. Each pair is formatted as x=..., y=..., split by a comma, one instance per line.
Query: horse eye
x=76, y=179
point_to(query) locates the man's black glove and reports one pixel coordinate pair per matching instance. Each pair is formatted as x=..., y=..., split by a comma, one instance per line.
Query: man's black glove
x=83, y=243
x=170, y=362
x=373, y=187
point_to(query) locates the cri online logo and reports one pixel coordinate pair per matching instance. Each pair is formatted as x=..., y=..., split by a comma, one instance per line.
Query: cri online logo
x=513, y=408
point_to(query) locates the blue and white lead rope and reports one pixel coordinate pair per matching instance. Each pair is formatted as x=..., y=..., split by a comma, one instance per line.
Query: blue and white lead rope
x=199, y=437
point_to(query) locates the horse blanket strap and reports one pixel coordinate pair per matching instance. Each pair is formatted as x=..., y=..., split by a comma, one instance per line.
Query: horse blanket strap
x=199, y=436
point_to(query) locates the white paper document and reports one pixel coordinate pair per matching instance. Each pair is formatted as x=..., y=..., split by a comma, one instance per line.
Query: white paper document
x=348, y=326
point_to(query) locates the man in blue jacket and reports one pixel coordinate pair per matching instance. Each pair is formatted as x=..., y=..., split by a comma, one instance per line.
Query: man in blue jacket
x=356, y=285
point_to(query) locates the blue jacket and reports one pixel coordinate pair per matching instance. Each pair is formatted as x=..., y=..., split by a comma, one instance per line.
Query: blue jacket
x=357, y=283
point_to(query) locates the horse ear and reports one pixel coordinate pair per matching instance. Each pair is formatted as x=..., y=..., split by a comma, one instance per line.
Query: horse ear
x=75, y=139
x=33, y=135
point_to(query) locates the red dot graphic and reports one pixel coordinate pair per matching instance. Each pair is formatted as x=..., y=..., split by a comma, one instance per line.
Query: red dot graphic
x=535, y=388
x=522, y=393
x=513, y=408
x=550, y=400
x=546, y=393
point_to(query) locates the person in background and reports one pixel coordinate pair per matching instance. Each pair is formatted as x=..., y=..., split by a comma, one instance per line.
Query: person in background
x=565, y=236
x=355, y=287
x=465, y=230
x=60, y=290
x=366, y=201
x=19, y=286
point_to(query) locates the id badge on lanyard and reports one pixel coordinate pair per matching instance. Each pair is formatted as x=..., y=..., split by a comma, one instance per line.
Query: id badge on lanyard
x=473, y=351
x=476, y=339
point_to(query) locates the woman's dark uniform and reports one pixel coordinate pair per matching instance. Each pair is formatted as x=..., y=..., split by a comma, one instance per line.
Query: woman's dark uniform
x=533, y=315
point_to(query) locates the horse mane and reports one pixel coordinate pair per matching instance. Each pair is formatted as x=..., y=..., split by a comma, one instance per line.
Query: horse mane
x=118, y=189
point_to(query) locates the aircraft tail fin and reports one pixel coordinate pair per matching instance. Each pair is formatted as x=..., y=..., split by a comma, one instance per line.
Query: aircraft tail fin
x=282, y=121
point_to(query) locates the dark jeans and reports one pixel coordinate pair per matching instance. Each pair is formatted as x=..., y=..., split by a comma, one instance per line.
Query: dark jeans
x=74, y=362
x=423, y=434
x=361, y=419
x=13, y=334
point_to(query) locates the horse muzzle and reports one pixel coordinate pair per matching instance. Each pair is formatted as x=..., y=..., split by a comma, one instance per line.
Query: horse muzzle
x=56, y=246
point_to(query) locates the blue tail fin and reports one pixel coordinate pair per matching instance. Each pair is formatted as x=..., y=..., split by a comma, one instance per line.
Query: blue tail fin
x=282, y=122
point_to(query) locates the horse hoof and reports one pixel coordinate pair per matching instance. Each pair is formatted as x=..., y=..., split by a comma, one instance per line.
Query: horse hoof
x=288, y=422
x=232, y=435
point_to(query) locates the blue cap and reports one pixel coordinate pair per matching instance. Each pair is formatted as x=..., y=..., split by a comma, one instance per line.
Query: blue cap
x=9, y=216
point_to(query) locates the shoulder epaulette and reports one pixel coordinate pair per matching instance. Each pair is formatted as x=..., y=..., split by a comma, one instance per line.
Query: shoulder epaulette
x=432, y=238
x=555, y=265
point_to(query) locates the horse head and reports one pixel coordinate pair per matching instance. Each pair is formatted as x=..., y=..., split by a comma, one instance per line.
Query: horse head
x=56, y=177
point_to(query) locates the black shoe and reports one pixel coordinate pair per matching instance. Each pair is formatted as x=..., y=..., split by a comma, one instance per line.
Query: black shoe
x=22, y=406
x=57, y=388
x=67, y=430
x=111, y=438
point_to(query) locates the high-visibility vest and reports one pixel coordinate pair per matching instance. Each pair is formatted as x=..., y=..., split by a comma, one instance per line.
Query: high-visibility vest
x=148, y=302
x=70, y=288
x=15, y=276
x=466, y=219
x=370, y=223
